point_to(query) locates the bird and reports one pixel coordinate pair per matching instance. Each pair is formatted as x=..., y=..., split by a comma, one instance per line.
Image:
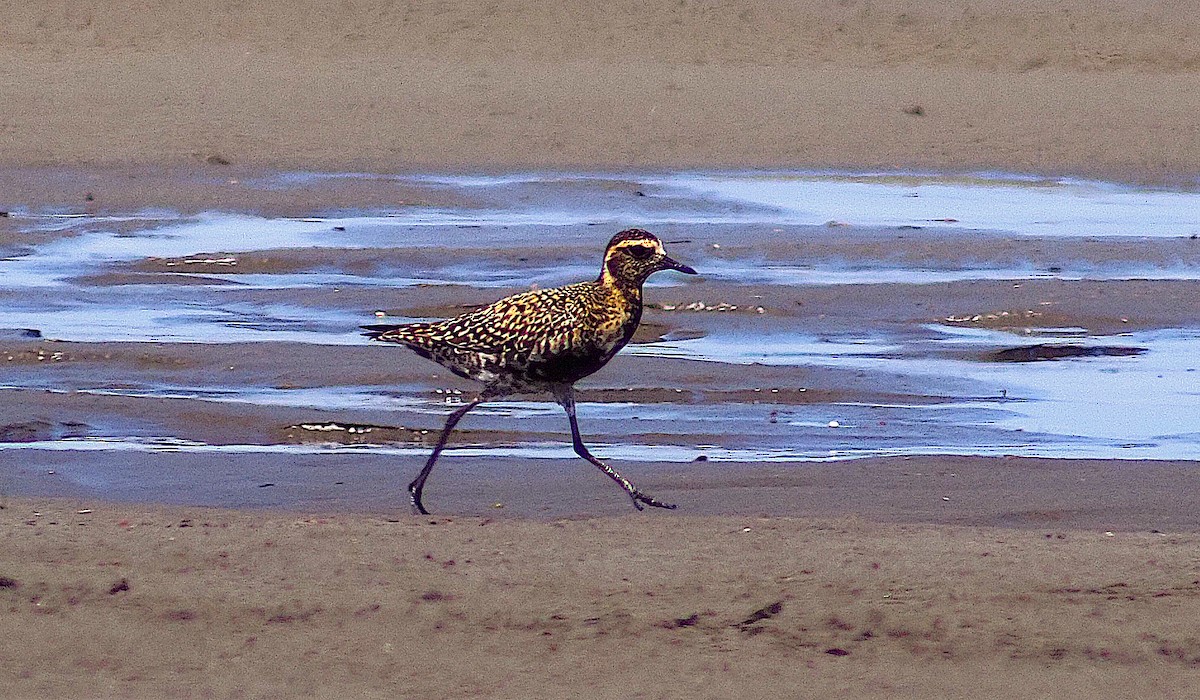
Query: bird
x=542, y=341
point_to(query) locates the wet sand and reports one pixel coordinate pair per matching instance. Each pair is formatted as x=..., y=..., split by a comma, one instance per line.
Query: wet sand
x=903, y=576
x=892, y=577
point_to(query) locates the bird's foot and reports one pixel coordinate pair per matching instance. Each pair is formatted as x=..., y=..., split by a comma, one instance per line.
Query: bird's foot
x=639, y=498
x=416, y=501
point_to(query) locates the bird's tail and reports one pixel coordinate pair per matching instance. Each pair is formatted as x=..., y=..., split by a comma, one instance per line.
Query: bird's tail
x=376, y=330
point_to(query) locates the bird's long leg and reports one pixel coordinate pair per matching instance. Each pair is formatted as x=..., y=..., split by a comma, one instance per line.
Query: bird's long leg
x=414, y=489
x=566, y=398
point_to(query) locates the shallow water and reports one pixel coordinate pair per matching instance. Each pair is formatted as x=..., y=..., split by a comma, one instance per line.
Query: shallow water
x=1019, y=206
x=1131, y=407
x=747, y=233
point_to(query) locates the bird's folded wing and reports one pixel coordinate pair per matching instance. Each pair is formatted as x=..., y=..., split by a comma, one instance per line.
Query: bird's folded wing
x=514, y=334
x=539, y=322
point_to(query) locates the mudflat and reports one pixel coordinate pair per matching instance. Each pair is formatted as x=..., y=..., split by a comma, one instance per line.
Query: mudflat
x=186, y=568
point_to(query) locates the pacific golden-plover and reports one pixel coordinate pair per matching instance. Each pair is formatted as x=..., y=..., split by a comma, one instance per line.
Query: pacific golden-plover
x=543, y=340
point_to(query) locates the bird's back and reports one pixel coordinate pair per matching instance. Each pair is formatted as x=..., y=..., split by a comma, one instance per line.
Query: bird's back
x=528, y=340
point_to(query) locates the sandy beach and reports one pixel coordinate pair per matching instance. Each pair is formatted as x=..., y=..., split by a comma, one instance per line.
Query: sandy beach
x=220, y=551
x=167, y=602
x=1063, y=87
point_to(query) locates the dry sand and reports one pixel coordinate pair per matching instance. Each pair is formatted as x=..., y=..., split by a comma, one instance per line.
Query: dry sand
x=1062, y=86
x=862, y=594
x=168, y=602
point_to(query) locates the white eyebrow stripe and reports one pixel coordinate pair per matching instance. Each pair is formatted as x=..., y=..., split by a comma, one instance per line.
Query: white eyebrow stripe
x=641, y=243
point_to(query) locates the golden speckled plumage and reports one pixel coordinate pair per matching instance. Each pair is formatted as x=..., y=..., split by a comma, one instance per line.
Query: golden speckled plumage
x=529, y=341
x=543, y=340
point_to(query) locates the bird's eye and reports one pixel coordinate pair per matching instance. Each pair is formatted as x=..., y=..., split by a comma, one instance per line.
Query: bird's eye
x=641, y=252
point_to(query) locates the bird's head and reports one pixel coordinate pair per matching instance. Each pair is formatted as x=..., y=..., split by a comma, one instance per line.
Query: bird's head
x=635, y=254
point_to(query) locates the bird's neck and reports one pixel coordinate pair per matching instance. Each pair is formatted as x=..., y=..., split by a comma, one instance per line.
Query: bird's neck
x=630, y=291
x=626, y=302
x=612, y=275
